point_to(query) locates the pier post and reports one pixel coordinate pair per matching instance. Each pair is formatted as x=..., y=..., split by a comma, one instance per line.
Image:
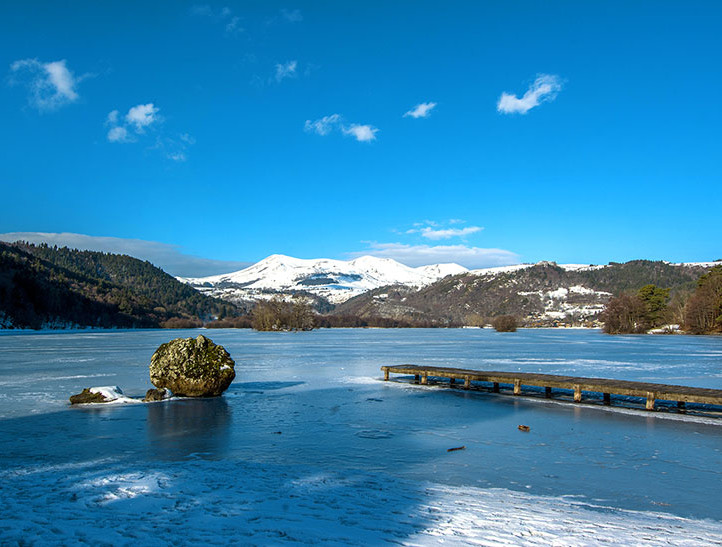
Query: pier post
x=495, y=387
x=517, y=387
x=467, y=382
x=607, y=399
x=548, y=392
x=577, y=393
x=424, y=379
x=452, y=381
x=681, y=405
x=416, y=378
x=650, y=400
x=386, y=375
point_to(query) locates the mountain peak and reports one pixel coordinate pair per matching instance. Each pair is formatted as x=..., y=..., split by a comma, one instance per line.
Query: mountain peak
x=335, y=280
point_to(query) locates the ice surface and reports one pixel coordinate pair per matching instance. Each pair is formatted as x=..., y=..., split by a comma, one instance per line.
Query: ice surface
x=309, y=445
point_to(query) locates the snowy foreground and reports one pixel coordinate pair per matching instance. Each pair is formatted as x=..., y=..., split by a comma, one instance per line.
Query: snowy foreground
x=217, y=502
x=309, y=446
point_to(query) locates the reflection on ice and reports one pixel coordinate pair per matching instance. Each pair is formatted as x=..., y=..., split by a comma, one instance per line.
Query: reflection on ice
x=178, y=428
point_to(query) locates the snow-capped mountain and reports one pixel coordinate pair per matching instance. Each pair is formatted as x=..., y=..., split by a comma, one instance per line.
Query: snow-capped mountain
x=334, y=280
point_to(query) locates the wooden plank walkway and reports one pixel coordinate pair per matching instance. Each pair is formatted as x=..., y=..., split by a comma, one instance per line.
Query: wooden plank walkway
x=578, y=384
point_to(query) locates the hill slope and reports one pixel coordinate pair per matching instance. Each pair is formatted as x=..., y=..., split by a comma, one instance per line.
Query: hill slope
x=539, y=294
x=43, y=286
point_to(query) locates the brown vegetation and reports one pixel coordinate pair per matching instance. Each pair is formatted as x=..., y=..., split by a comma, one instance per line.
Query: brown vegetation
x=277, y=314
x=703, y=312
x=504, y=323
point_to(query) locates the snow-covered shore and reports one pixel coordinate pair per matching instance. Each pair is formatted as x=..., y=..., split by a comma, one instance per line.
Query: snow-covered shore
x=211, y=502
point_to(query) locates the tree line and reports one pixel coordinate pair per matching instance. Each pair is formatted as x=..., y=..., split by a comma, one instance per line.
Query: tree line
x=699, y=312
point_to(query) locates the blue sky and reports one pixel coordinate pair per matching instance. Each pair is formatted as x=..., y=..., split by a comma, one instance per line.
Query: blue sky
x=484, y=133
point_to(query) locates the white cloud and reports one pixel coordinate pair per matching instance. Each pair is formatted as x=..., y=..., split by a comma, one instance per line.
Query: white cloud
x=422, y=255
x=421, y=110
x=51, y=85
x=286, y=70
x=362, y=133
x=139, y=118
x=292, y=16
x=168, y=257
x=544, y=89
x=447, y=233
x=327, y=124
x=439, y=230
x=119, y=134
x=142, y=116
x=323, y=126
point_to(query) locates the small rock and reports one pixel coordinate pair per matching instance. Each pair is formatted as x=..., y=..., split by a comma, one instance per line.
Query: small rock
x=103, y=394
x=155, y=395
x=86, y=396
x=524, y=428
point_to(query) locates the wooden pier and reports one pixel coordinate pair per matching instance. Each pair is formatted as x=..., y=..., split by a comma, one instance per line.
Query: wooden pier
x=651, y=392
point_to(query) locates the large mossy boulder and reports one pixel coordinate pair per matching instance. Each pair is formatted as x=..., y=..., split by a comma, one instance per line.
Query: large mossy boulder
x=192, y=367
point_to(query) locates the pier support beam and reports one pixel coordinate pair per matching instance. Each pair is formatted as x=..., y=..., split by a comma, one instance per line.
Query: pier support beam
x=650, y=400
x=467, y=382
x=386, y=375
x=607, y=399
x=424, y=379
x=452, y=381
x=495, y=387
x=577, y=394
x=681, y=405
x=517, y=387
x=416, y=378
x=548, y=392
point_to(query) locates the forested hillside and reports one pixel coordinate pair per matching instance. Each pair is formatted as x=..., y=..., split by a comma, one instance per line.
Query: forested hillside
x=42, y=286
x=542, y=294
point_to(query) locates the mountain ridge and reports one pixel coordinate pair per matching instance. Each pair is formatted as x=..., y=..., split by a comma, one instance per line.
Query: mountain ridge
x=332, y=280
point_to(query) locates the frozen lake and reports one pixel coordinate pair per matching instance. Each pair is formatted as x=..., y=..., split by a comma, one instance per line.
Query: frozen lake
x=308, y=445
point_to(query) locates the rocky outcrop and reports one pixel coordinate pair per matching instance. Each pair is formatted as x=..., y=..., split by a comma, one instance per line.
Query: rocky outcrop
x=86, y=396
x=155, y=395
x=192, y=367
x=104, y=394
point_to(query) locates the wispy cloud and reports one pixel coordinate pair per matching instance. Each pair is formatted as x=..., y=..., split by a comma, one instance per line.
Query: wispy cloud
x=323, y=126
x=327, y=124
x=168, y=257
x=232, y=25
x=223, y=16
x=285, y=70
x=448, y=233
x=119, y=134
x=544, y=89
x=138, y=121
x=435, y=231
x=50, y=85
x=421, y=110
x=422, y=255
x=174, y=148
x=292, y=16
